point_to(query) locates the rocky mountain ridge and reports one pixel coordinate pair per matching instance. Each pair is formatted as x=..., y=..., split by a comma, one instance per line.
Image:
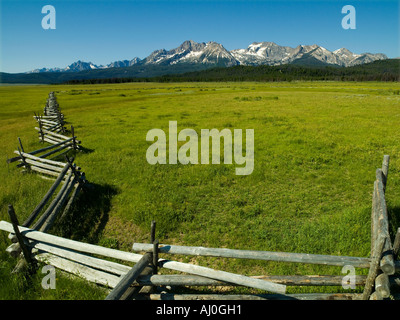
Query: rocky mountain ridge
x=213, y=53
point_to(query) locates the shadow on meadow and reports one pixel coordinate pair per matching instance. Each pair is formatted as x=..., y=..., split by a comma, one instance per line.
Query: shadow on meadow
x=84, y=150
x=89, y=214
x=394, y=220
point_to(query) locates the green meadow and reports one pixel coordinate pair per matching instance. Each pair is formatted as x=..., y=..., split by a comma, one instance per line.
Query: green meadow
x=316, y=148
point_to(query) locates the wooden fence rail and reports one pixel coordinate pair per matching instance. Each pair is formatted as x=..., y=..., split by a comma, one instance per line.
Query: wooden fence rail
x=258, y=255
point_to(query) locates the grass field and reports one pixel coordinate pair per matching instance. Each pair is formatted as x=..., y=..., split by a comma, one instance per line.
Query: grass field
x=317, y=146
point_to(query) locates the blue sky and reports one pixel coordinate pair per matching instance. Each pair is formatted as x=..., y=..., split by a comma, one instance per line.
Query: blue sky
x=105, y=31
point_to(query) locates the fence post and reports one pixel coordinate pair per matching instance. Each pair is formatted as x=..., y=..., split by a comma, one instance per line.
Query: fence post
x=41, y=129
x=73, y=137
x=131, y=276
x=373, y=270
x=26, y=252
x=385, y=171
x=24, y=163
x=20, y=143
x=78, y=175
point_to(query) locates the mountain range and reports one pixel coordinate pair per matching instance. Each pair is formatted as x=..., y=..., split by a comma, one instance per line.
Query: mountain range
x=214, y=54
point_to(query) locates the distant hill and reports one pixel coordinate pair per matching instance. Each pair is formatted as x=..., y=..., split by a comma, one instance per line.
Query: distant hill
x=136, y=71
x=383, y=70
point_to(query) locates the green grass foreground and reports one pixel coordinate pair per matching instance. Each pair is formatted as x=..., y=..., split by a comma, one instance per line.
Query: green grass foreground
x=317, y=146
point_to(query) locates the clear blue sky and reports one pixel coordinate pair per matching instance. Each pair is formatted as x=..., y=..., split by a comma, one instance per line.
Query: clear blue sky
x=106, y=31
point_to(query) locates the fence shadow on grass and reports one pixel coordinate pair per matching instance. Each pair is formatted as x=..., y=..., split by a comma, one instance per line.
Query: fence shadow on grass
x=84, y=150
x=89, y=215
x=394, y=218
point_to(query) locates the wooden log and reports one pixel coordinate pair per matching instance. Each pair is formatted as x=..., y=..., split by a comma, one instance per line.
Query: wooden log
x=71, y=200
x=51, y=140
x=130, y=277
x=52, y=113
x=374, y=217
x=56, y=135
x=51, y=147
x=54, y=127
x=65, y=146
x=74, y=170
x=375, y=296
x=53, y=137
x=385, y=171
x=84, y=259
x=298, y=296
x=57, y=130
x=46, y=121
x=258, y=255
x=224, y=276
x=40, y=130
x=51, y=162
x=232, y=297
x=52, y=118
x=72, y=244
x=155, y=246
x=155, y=257
x=23, y=159
x=73, y=134
x=11, y=160
x=46, y=198
x=85, y=272
x=20, y=144
x=44, y=165
x=54, y=140
x=193, y=280
x=312, y=280
x=62, y=122
x=61, y=154
x=136, y=292
x=63, y=198
x=42, y=133
x=14, y=250
x=153, y=231
x=49, y=124
x=44, y=171
x=39, y=223
x=382, y=285
x=24, y=248
x=42, y=116
x=387, y=261
x=373, y=270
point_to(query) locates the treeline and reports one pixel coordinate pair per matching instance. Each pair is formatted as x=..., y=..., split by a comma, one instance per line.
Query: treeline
x=383, y=70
